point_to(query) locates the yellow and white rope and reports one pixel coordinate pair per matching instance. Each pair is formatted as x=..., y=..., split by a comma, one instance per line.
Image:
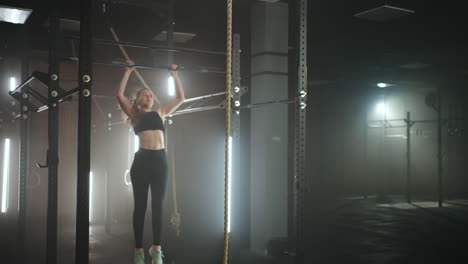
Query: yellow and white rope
x=228, y=129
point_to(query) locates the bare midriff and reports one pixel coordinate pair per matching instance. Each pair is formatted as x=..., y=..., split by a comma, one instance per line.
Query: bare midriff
x=151, y=139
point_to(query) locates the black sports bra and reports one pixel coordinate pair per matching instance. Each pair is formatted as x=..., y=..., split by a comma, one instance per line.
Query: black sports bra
x=149, y=121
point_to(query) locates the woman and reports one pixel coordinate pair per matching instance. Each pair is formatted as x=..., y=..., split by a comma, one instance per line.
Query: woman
x=149, y=168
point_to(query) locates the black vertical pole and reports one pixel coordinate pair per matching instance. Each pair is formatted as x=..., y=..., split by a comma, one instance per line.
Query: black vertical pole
x=170, y=30
x=84, y=132
x=108, y=135
x=24, y=142
x=408, y=157
x=439, y=147
x=54, y=69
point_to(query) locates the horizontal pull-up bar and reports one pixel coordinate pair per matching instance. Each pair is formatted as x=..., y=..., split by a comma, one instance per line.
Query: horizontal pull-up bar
x=188, y=100
x=145, y=3
x=220, y=106
x=203, y=97
x=154, y=67
x=67, y=96
x=198, y=109
x=183, y=111
x=255, y=105
x=150, y=46
x=416, y=121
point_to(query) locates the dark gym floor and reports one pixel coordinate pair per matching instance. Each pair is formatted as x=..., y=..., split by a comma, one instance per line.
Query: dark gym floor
x=362, y=231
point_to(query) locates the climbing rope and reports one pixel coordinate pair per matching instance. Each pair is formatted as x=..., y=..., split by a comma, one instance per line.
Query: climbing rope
x=175, y=218
x=122, y=49
x=228, y=129
x=124, y=52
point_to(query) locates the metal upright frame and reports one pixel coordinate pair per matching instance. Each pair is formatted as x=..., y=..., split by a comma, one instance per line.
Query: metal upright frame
x=85, y=78
x=52, y=152
x=235, y=180
x=409, y=124
x=55, y=95
x=300, y=131
x=440, y=122
x=108, y=171
x=236, y=83
x=23, y=155
x=440, y=168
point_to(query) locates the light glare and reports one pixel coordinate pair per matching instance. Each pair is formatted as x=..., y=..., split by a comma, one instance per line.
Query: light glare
x=380, y=108
x=6, y=172
x=229, y=182
x=91, y=179
x=136, y=143
x=170, y=86
x=12, y=84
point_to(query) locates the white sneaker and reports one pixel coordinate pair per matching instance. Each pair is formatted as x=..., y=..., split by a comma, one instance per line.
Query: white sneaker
x=156, y=256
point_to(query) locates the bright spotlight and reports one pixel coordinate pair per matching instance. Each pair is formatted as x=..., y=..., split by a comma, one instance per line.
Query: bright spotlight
x=12, y=84
x=380, y=108
x=382, y=85
x=170, y=86
x=6, y=175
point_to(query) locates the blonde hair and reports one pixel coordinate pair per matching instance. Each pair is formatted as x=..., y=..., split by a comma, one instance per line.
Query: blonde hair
x=137, y=112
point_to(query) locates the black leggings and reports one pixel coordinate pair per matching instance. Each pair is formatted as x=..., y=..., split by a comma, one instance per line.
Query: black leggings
x=149, y=168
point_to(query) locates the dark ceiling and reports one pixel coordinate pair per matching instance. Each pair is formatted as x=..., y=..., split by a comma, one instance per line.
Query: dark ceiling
x=433, y=39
